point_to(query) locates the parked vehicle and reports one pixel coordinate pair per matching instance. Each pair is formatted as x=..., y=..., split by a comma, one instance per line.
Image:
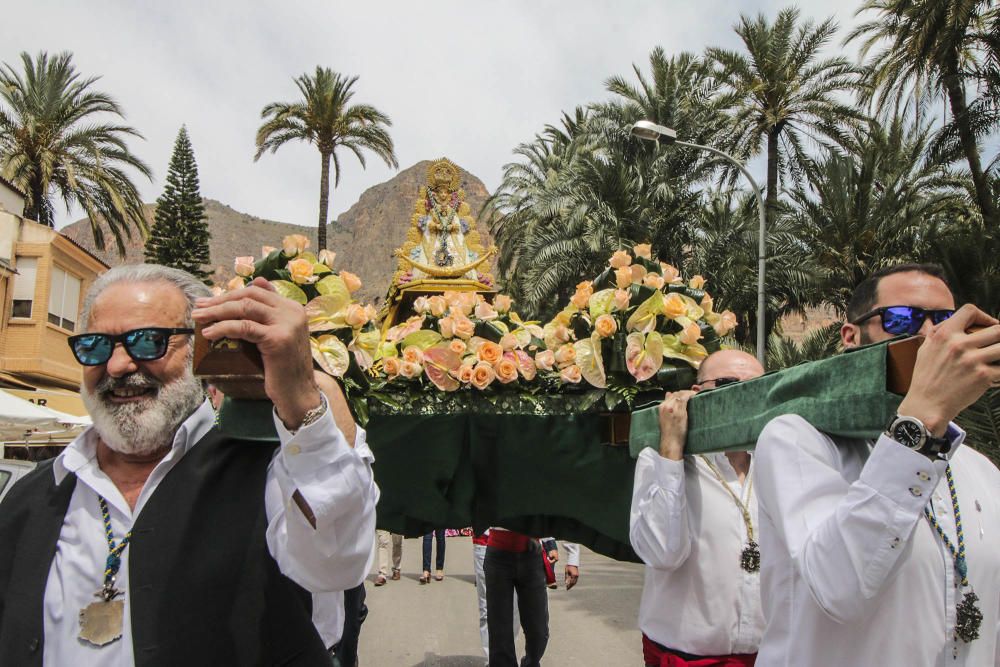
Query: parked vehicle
x=10, y=472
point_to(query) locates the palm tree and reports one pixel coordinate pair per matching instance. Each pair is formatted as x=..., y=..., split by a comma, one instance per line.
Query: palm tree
x=54, y=143
x=937, y=45
x=780, y=92
x=324, y=118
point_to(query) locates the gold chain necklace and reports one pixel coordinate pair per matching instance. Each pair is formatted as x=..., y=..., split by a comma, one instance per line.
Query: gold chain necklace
x=750, y=556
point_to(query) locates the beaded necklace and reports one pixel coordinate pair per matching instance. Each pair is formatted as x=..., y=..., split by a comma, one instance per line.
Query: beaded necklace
x=968, y=617
x=750, y=555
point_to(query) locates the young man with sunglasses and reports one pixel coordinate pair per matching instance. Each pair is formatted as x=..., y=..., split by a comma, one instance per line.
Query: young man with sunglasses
x=693, y=522
x=888, y=553
x=154, y=538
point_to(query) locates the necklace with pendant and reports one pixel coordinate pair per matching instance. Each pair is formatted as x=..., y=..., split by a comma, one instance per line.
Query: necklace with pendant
x=101, y=621
x=968, y=615
x=750, y=555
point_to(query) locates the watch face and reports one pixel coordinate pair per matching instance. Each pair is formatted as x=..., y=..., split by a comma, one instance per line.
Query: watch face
x=908, y=433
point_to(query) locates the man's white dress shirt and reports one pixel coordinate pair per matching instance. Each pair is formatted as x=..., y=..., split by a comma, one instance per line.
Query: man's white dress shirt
x=689, y=531
x=334, y=478
x=852, y=571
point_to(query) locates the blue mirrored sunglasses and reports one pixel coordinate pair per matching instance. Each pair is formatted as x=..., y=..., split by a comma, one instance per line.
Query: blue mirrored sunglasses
x=146, y=344
x=899, y=320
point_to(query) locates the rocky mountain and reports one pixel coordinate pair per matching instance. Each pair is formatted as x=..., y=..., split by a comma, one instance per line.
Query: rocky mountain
x=364, y=237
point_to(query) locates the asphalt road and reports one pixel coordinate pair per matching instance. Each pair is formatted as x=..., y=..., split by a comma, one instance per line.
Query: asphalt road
x=437, y=625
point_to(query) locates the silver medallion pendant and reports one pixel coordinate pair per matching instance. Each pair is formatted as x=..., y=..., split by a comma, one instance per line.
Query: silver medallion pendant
x=101, y=622
x=968, y=617
x=750, y=557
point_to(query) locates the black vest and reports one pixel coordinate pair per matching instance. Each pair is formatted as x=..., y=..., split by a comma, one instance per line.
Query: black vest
x=203, y=587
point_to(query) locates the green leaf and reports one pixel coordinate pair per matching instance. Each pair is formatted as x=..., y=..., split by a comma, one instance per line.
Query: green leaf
x=334, y=286
x=290, y=290
x=422, y=339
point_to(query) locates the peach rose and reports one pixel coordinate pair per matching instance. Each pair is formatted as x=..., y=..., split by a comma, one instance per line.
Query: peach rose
x=506, y=371
x=696, y=282
x=638, y=272
x=370, y=311
x=584, y=291
x=217, y=291
x=545, y=360
x=485, y=311
x=234, y=284
x=623, y=277
x=565, y=355
x=620, y=259
x=605, y=326
x=352, y=281
x=483, y=375
x=643, y=250
x=670, y=274
x=326, y=257
x=447, y=327
x=571, y=374
x=437, y=305
x=421, y=305
x=390, y=365
x=243, y=266
x=707, y=304
x=654, y=280
x=690, y=334
x=301, y=271
x=489, y=352
x=726, y=323
x=465, y=373
x=266, y=250
x=293, y=244
x=502, y=303
x=464, y=327
x=356, y=316
x=462, y=302
x=408, y=369
x=622, y=299
x=674, y=306
x=457, y=346
x=413, y=354
x=508, y=341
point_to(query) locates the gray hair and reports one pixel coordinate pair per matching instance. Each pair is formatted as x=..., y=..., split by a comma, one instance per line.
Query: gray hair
x=190, y=287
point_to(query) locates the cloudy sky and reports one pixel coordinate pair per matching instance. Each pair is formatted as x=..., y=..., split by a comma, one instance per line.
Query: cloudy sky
x=467, y=80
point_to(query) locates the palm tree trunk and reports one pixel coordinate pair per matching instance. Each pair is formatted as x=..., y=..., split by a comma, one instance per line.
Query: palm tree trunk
x=771, y=201
x=959, y=112
x=324, y=200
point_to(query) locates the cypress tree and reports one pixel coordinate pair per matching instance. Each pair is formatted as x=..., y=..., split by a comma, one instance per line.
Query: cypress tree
x=179, y=237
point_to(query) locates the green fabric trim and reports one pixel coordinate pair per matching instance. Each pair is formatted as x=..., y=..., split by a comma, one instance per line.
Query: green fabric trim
x=844, y=395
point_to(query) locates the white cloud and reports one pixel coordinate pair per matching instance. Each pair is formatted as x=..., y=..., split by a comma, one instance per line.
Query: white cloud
x=469, y=80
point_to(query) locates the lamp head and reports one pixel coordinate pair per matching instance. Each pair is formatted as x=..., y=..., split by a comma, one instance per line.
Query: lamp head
x=650, y=131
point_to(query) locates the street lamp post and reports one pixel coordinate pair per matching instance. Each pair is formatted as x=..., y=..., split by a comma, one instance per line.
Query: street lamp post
x=650, y=131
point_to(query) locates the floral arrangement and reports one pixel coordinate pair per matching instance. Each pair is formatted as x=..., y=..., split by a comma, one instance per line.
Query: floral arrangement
x=343, y=335
x=635, y=327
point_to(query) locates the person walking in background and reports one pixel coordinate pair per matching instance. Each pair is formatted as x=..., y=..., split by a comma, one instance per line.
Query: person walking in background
x=439, y=573
x=384, y=539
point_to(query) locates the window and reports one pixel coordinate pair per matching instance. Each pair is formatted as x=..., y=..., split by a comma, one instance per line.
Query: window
x=64, y=299
x=4, y=478
x=24, y=286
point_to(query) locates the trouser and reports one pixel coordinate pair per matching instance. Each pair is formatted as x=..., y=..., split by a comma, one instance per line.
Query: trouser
x=508, y=572
x=439, y=536
x=478, y=556
x=345, y=653
x=384, y=538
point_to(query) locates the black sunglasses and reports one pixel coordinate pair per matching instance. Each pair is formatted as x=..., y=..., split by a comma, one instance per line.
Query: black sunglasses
x=898, y=320
x=146, y=344
x=720, y=382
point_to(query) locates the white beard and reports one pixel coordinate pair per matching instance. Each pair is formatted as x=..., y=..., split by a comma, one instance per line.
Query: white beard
x=142, y=427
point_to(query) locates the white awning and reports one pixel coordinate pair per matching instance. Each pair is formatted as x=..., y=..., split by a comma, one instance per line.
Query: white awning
x=20, y=418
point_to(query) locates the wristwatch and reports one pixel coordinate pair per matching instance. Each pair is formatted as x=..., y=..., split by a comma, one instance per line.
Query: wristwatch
x=314, y=414
x=911, y=432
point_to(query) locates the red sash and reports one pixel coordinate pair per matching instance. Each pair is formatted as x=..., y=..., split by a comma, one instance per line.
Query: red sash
x=654, y=654
x=482, y=540
x=506, y=540
x=550, y=572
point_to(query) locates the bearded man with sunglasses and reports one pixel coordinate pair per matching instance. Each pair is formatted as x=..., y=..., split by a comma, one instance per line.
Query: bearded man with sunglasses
x=693, y=522
x=888, y=553
x=154, y=539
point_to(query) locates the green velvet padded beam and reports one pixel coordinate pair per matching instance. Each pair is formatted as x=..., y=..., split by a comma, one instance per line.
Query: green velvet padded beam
x=844, y=395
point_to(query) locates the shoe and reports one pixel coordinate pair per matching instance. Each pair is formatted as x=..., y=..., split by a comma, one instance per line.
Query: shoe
x=395, y=574
x=380, y=580
x=552, y=586
x=439, y=575
x=425, y=578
